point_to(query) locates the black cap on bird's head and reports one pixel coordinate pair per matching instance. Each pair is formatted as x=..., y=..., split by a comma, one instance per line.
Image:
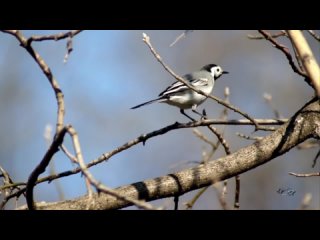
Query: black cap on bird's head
x=208, y=67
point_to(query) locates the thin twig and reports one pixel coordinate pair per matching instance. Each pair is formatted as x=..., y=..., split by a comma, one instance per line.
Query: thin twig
x=268, y=98
x=69, y=49
x=176, y=202
x=203, y=137
x=315, y=159
x=316, y=174
x=237, y=178
x=68, y=154
x=221, y=139
x=6, y=181
x=214, y=146
x=255, y=138
x=16, y=194
x=283, y=49
x=42, y=167
x=181, y=36
x=69, y=35
x=276, y=35
x=224, y=190
x=12, y=185
x=189, y=205
x=146, y=39
x=298, y=59
x=52, y=170
x=221, y=195
x=75, y=159
x=100, y=187
x=236, y=204
x=225, y=183
x=54, y=37
x=313, y=34
x=6, y=177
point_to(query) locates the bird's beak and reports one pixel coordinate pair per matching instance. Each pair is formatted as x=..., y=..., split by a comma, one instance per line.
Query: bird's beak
x=225, y=72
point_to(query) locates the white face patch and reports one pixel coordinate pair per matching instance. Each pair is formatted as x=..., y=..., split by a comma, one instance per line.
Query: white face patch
x=215, y=71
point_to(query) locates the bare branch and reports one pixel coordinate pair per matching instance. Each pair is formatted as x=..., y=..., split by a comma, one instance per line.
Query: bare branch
x=189, y=204
x=52, y=170
x=255, y=138
x=181, y=36
x=25, y=43
x=5, y=191
x=12, y=185
x=221, y=195
x=285, y=50
x=313, y=34
x=94, y=182
x=268, y=98
x=54, y=37
x=236, y=204
x=203, y=137
x=308, y=60
x=237, y=178
x=69, y=49
x=279, y=34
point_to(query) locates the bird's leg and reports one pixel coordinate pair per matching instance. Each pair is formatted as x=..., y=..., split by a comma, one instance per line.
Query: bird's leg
x=204, y=115
x=195, y=111
x=182, y=111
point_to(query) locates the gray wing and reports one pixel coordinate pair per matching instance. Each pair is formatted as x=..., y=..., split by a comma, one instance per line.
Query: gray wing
x=178, y=87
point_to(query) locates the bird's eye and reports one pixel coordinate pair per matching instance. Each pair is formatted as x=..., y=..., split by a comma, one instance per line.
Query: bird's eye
x=218, y=69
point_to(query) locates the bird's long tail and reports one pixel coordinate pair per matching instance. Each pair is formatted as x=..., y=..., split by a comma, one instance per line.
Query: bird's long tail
x=146, y=103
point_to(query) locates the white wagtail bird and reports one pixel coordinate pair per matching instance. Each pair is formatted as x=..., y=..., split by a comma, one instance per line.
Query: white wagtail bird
x=179, y=95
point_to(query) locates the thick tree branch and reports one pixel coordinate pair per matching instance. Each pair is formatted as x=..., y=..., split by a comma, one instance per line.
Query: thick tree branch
x=308, y=60
x=303, y=125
